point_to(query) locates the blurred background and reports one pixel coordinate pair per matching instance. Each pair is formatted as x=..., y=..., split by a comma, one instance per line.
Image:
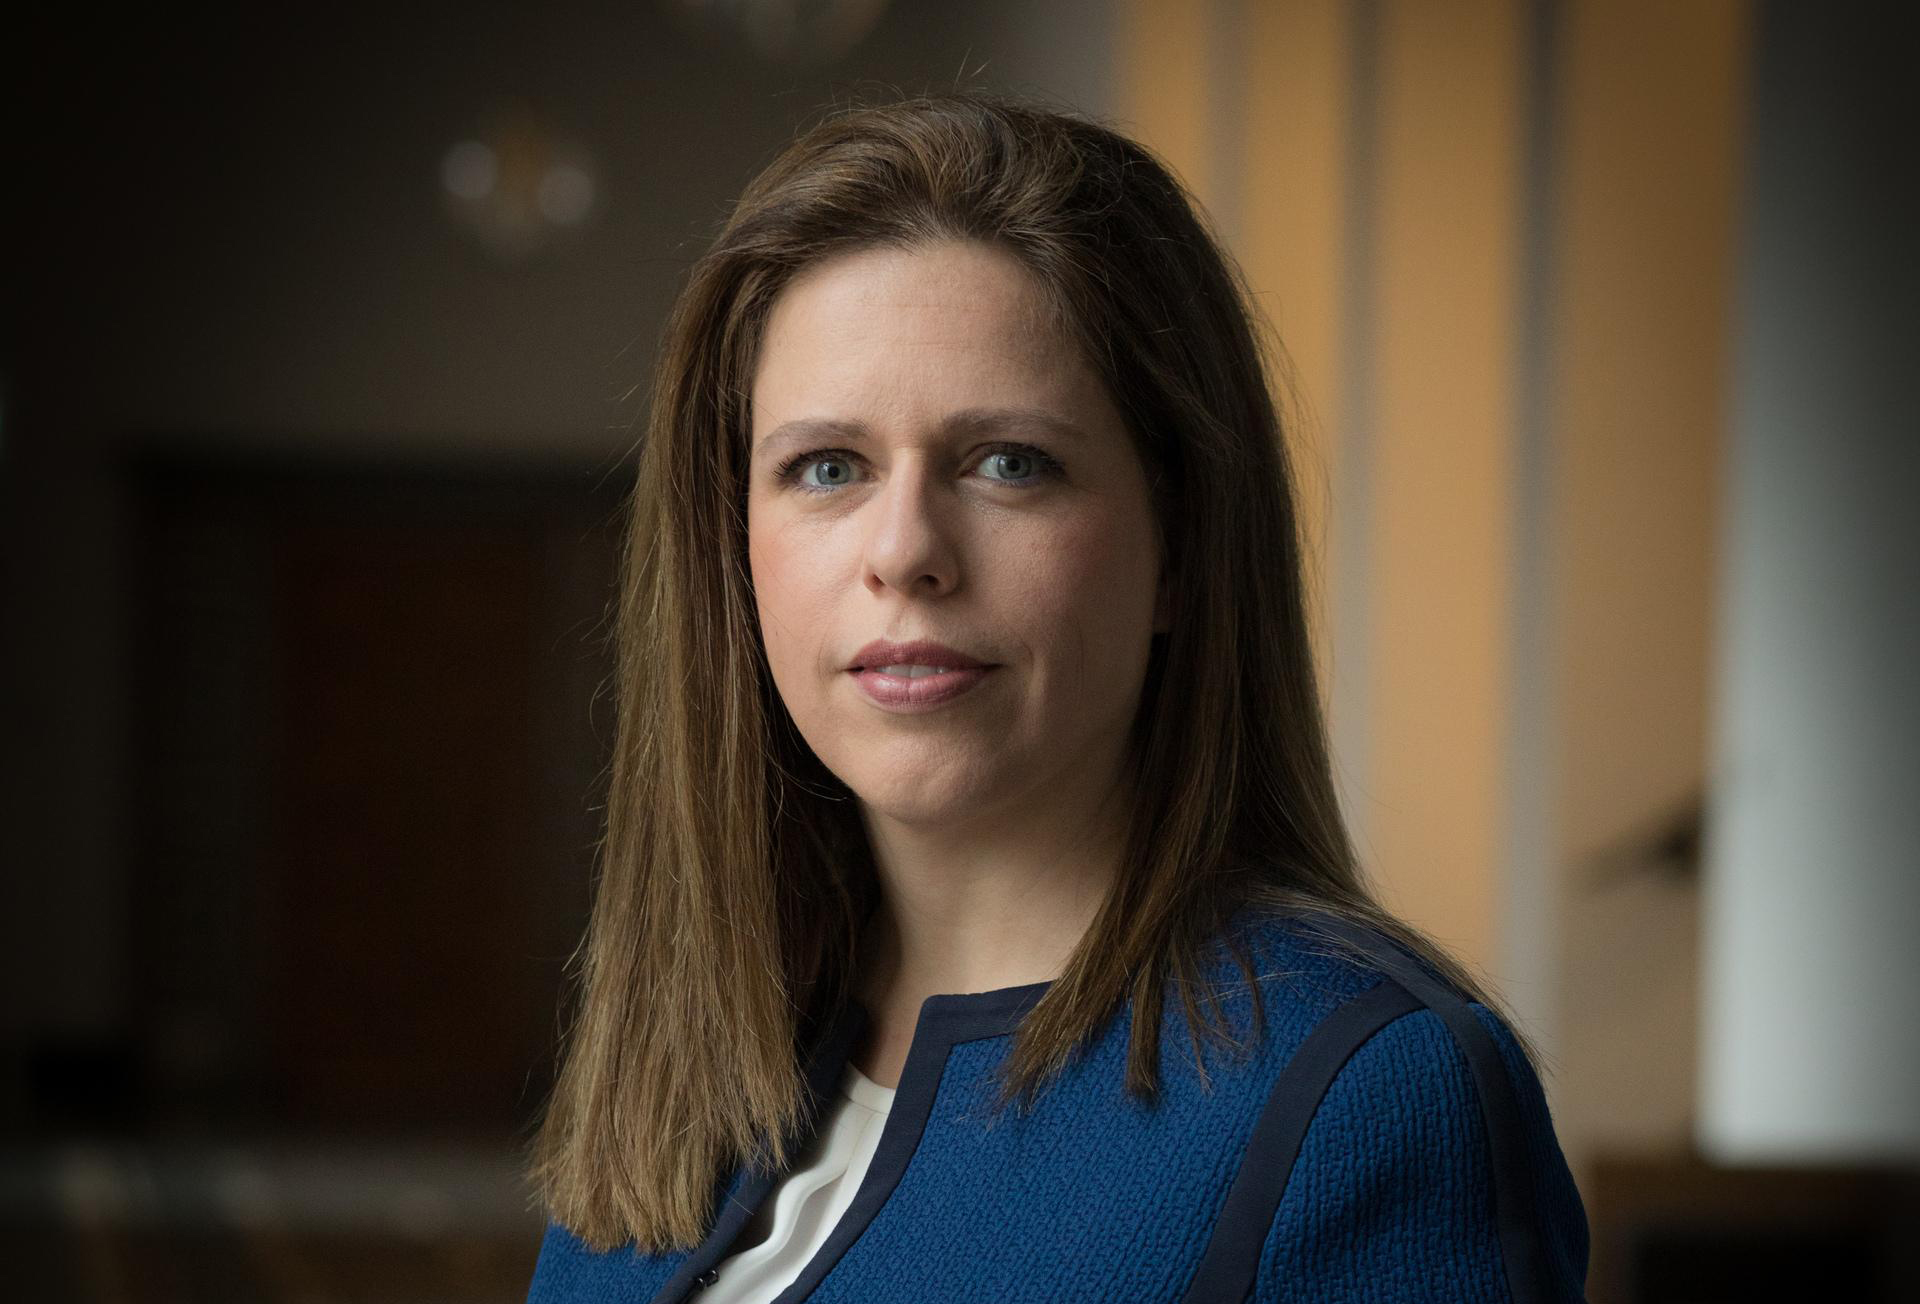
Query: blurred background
x=326, y=337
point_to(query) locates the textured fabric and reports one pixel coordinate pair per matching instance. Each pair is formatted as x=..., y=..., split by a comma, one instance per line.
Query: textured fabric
x=796, y=1217
x=1396, y=1194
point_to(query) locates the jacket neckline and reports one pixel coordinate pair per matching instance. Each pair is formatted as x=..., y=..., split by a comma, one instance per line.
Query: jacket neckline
x=946, y=1020
x=965, y=1016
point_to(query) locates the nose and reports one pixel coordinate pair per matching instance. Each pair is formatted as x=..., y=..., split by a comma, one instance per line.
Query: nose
x=910, y=544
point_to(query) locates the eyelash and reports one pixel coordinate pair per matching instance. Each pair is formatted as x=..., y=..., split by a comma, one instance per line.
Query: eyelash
x=788, y=472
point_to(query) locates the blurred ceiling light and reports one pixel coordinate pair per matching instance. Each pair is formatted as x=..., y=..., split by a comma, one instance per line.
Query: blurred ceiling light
x=792, y=31
x=469, y=170
x=517, y=186
x=565, y=195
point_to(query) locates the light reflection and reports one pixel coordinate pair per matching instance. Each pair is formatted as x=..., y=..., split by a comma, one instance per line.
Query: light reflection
x=469, y=170
x=518, y=187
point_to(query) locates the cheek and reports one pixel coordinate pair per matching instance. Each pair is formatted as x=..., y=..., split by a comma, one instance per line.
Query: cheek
x=787, y=570
x=1097, y=593
x=770, y=564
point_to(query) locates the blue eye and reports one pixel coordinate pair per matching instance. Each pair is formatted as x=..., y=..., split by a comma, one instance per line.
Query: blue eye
x=830, y=481
x=1022, y=465
x=1019, y=460
x=798, y=470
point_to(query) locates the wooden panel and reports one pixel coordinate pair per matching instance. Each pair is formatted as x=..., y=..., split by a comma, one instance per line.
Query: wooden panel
x=404, y=827
x=1442, y=460
x=1164, y=74
x=1646, y=207
x=1294, y=249
x=366, y=781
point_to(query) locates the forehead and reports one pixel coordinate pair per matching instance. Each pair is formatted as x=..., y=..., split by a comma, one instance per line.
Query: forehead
x=954, y=324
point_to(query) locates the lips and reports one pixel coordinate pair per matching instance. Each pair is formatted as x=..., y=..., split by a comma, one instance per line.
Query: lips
x=920, y=652
x=925, y=674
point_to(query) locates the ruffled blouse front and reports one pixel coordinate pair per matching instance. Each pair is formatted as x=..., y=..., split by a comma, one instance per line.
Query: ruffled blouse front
x=800, y=1212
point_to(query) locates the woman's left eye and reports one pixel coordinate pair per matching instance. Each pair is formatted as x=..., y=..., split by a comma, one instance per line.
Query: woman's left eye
x=1024, y=463
x=1021, y=465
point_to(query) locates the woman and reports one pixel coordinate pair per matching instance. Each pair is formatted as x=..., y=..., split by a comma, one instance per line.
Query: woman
x=969, y=747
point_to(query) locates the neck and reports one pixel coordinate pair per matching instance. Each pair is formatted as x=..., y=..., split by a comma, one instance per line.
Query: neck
x=1001, y=902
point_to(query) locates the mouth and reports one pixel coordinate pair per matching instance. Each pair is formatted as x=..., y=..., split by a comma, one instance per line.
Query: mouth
x=921, y=658
x=907, y=671
x=912, y=687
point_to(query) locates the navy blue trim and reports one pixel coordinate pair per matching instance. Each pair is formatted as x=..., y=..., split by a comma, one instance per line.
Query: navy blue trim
x=1529, y=1278
x=824, y=1068
x=1227, y=1269
x=945, y=1022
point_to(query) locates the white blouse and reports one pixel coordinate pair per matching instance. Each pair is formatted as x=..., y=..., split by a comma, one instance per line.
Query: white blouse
x=801, y=1210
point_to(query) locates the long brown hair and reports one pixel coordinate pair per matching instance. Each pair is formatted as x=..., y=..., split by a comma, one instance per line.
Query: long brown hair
x=734, y=875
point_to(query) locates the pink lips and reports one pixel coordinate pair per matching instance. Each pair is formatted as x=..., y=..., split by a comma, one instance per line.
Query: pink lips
x=929, y=690
x=959, y=673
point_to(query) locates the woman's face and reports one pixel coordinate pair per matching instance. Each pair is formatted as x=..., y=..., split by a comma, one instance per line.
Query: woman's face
x=933, y=460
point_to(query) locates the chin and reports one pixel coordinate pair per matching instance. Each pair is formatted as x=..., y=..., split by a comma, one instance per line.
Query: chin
x=918, y=795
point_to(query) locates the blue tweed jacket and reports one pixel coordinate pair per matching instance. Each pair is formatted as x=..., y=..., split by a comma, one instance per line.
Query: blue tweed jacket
x=1386, y=1140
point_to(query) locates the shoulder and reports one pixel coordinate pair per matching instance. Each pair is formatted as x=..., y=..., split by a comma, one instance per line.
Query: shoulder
x=1430, y=1160
x=1310, y=961
x=1408, y=1139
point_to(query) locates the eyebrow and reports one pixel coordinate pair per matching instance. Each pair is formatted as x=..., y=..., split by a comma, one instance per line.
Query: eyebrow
x=966, y=421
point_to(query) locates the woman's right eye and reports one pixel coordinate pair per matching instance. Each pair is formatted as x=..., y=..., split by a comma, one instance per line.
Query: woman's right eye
x=838, y=471
x=819, y=470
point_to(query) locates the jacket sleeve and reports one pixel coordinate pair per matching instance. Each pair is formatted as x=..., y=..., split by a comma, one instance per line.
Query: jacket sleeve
x=1415, y=1182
